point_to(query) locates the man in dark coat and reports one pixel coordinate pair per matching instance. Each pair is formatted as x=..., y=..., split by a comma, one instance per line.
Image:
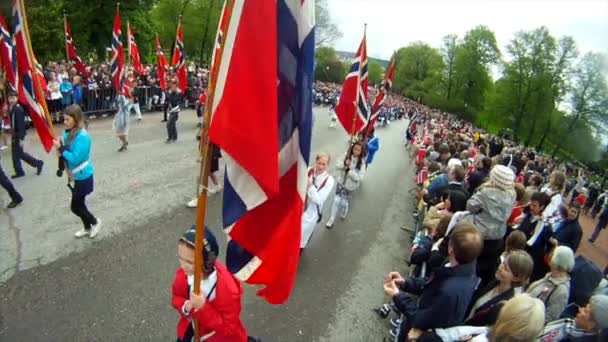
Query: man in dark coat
x=444, y=299
x=17, y=115
x=481, y=173
x=601, y=224
x=568, y=231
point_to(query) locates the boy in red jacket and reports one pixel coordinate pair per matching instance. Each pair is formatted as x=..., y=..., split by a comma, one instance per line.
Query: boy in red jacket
x=218, y=307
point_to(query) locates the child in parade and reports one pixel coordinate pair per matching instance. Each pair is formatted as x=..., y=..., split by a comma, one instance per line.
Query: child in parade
x=320, y=184
x=373, y=145
x=121, y=121
x=350, y=172
x=174, y=101
x=75, y=150
x=218, y=307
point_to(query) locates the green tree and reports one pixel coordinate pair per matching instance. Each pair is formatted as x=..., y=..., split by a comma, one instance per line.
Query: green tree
x=328, y=67
x=418, y=70
x=448, y=51
x=478, y=51
x=326, y=31
x=374, y=72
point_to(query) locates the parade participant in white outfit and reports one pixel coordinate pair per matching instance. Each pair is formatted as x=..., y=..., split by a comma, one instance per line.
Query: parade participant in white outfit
x=320, y=184
x=349, y=175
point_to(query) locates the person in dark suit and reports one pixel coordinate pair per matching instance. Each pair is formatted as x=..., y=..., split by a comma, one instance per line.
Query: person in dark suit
x=17, y=115
x=568, y=232
x=6, y=183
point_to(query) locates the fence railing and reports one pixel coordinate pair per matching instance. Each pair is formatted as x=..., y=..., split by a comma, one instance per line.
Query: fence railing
x=100, y=101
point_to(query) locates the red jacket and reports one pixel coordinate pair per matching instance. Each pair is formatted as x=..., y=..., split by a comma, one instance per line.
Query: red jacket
x=221, y=316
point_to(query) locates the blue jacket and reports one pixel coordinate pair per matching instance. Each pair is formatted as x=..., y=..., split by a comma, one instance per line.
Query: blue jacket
x=78, y=152
x=437, y=184
x=372, y=147
x=444, y=299
x=78, y=94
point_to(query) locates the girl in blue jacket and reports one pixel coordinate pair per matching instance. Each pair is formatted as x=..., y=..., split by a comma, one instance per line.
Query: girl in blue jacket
x=76, y=150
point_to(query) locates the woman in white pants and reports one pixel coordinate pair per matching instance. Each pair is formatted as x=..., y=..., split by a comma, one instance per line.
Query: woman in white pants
x=349, y=175
x=320, y=184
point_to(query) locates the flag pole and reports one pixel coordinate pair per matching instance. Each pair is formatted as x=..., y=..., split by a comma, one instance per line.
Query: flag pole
x=34, y=64
x=65, y=30
x=129, y=41
x=205, y=153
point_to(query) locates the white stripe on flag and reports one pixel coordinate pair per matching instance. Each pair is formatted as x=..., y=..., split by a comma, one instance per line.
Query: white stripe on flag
x=232, y=29
x=244, y=273
x=243, y=183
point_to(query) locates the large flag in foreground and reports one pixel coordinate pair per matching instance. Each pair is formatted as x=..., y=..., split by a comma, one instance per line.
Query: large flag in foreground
x=134, y=51
x=8, y=54
x=354, y=91
x=30, y=92
x=382, y=94
x=71, y=49
x=117, y=62
x=262, y=120
x=179, y=59
x=161, y=64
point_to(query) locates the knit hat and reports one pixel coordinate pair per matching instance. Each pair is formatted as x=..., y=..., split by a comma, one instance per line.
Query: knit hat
x=503, y=177
x=210, y=246
x=453, y=162
x=599, y=310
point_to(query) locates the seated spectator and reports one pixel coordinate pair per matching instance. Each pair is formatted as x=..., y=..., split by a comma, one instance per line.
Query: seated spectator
x=554, y=288
x=453, y=201
x=587, y=326
x=516, y=241
x=511, y=277
x=538, y=233
x=483, y=165
x=568, y=231
x=521, y=319
x=444, y=299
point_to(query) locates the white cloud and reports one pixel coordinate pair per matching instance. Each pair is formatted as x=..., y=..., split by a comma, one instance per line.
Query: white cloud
x=395, y=23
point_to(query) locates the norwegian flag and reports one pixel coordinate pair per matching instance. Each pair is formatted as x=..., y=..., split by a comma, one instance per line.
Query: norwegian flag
x=221, y=28
x=161, y=64
x=8, y=55
x=382, y=94
x=265, y=191
x=71, y=49
x=134, y=51
x=29, y=93
x=117, y=62
x=179, y=59
x=354, y=117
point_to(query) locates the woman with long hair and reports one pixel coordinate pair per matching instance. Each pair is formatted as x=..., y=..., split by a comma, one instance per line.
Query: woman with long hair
x=555, y=190
x=75, y=149
x=349, y=175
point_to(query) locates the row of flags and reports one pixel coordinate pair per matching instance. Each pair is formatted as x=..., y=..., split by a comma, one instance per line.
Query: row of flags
x=352, y=109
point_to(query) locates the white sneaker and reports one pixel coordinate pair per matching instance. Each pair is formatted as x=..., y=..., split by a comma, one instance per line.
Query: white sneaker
x=3, y=147
x=82, y=233
x=95, y=229
x=211, y=191
x=193, y=203
x=329, y=224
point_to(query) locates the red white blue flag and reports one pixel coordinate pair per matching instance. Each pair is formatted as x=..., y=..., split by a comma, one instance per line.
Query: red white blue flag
x=134, y=51
x=221, y=28
x=382, y=94
x=179, y=59
x=262, y=120
x=117, y=62
x=8, y=54
x=161, y=64
x=352, y=108
x=30, y=95
x=71, y=49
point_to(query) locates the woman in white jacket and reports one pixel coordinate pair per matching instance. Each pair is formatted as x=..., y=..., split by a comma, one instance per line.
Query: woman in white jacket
x=349, y=175
x=320, y=184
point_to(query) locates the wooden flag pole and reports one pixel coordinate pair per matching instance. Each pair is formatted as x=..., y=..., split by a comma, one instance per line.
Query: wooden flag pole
x=205, y=153
x=65, y=30
x=129, y=41
x=30, y=55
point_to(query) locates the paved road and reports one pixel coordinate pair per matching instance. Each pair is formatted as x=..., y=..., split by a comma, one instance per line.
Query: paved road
x=117, y=287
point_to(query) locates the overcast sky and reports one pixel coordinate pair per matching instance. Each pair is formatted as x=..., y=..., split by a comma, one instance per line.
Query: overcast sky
x=395, y=23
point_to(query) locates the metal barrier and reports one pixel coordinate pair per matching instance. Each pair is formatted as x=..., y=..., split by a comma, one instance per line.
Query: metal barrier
x=99, y=101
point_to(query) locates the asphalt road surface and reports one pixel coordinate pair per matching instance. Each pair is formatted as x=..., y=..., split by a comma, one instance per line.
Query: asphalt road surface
x=117, y=287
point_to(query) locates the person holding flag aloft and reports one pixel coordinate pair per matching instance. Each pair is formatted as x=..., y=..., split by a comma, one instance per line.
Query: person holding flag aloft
x=320, y=184
x=350, y=173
